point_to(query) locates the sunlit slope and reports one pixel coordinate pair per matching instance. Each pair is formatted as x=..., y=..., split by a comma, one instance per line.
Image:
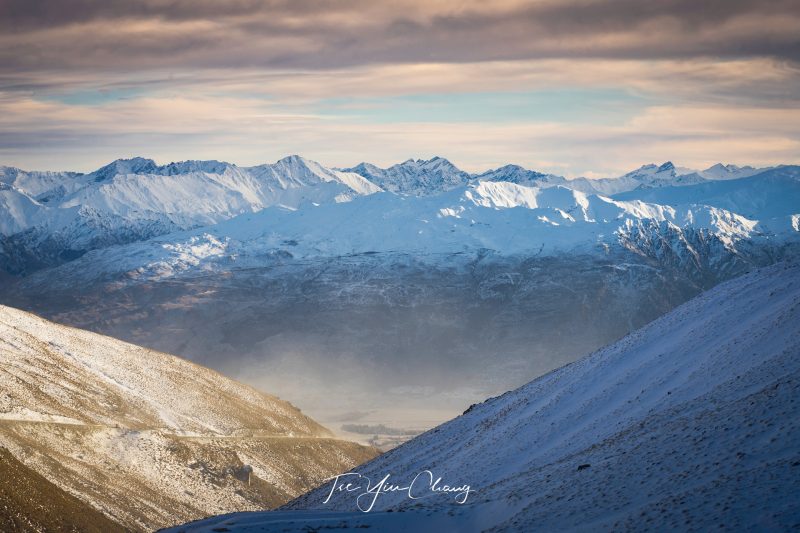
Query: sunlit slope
x=148, y=438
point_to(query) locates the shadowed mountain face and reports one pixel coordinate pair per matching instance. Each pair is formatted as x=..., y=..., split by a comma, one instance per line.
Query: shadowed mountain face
x=29, y=502
x=690, y=423
x=391, y=338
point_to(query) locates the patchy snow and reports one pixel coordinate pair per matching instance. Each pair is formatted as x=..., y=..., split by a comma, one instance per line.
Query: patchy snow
x=146, y=437
x=130, y=386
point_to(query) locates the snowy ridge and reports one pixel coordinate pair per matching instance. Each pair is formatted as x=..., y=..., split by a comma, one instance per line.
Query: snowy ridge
x=768, y=195
x=415, y=177
x=50, y=215
x=729, y=172
x=646, y=177
x=691, y=422
x=520, y=176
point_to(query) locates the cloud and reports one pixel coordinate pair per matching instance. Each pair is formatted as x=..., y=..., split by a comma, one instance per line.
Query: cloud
x=147, y=34
x=762, y=80
x=55, y=135
x=86, y=81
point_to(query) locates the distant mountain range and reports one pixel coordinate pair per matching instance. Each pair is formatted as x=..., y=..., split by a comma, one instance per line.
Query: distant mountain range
x=690, y=423
x=146, y=438
x=47, y=218
x=292, y=276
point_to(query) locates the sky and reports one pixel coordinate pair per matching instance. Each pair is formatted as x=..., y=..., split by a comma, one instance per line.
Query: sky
x=574, y=87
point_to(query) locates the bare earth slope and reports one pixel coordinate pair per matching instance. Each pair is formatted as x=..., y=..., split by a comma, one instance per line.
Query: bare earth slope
x=690, y=423
x=28, y=502
x=146, y=437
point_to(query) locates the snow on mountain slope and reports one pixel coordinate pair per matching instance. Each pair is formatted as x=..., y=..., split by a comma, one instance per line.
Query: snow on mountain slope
x=19, y=210
x=297, y=171
x=690, y=423
x=42, y=186
x=66, y=214
x=415, y=177
x=506, y=218
x=48, y=218
x=393, y=287
x=646, y=177
x=146, y=437
x=770, y=194
x=730, y=172
x=437, y=175
x=521, y=176
x=140, y=383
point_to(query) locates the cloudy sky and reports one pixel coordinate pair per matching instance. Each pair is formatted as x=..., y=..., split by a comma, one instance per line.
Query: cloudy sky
x=576, y=87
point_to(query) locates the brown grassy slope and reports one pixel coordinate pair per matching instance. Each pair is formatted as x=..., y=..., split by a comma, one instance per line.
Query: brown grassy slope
x=29, y=502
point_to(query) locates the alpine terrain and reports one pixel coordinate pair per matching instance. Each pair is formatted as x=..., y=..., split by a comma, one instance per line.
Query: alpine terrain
x=691, y=423
x=387, y=289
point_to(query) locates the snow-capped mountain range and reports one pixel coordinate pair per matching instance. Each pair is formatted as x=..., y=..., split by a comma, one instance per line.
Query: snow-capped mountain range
x=690, y=423
x=47, y=218
x=503, y=217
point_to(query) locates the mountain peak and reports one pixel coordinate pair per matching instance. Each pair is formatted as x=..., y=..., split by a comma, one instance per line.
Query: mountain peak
x=666, y=166
x=134, y=165
x=297, y=165
x=293, y=159
x=433, y=162
x=519, y=175
x=416, y=177
x=728, y=171
x=132, y=162
x=211, y=166
x=363, y=166
x=729, y=167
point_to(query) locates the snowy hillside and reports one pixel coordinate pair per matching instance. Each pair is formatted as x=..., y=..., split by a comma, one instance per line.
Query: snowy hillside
x=426, y=177
x=47, y=218
x=646, y=177
x=147, y=437
x=772, y=194
x=690, y=423
x=520, y=176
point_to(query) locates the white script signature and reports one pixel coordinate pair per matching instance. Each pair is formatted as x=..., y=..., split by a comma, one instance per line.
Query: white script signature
x=423, y=485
